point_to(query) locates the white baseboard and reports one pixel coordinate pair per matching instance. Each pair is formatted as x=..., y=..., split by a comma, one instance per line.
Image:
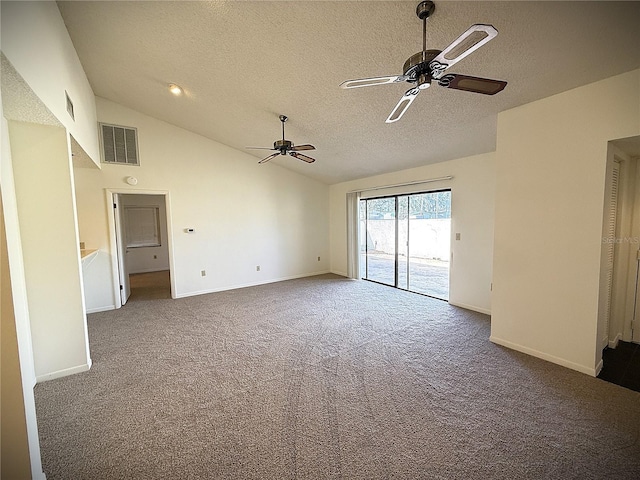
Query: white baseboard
x=599, y=367
x=592, y=371
x=614, y=343
x=245, y=285
x=342, y=274
x=64, y=373
x=105, y=308
x=470, y=307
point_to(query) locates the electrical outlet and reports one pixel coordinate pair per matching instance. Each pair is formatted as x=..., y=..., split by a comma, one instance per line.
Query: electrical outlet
x=457, y=236
x=257, y=268
x=318, y=258
x=203, y=273
x=155, y=257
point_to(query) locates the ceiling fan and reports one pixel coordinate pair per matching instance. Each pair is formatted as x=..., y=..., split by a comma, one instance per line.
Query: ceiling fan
x=284, y=147
x=423, y=67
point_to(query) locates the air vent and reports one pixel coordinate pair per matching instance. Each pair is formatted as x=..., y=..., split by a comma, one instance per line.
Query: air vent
x=70, y=106
x=119, y=144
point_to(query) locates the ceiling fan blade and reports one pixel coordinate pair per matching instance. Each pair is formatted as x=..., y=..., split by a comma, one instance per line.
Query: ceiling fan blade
x=485, y=86
x=273, y=155
x=406, y=100
x=259, y=148
x=302, y=157
x=471, y=40
x=298, y=148
x=369, y=82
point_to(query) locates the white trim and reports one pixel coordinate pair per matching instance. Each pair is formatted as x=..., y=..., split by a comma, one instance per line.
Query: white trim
x=471, y=307
x=110, y=192
x=599, y=367
x=342, y=274
x=406, y=184
x=64, y=373
x=614, y=343
x=545, y=356
x=104, y=308
x=253, y=284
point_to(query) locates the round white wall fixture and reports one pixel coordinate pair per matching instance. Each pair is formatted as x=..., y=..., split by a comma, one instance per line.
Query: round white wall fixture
x=132, y=180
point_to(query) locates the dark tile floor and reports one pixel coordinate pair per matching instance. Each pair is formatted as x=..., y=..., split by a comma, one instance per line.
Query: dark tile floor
x=622, y=365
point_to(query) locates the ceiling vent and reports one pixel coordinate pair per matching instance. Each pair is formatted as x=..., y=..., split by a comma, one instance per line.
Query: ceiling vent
x=119, y=144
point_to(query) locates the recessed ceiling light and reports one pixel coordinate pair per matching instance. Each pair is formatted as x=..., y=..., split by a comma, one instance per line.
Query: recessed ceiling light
x=175, y=89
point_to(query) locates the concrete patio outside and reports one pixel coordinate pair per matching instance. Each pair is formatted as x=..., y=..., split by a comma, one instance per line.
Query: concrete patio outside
x=426, y=276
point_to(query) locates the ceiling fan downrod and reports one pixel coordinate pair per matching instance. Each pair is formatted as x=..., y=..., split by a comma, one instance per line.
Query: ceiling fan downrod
x=283, y=118
x=283, y=145
x=424, y=10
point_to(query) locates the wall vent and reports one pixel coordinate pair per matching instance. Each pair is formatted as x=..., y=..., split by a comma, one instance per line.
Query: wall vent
x=70, y=106
x=119, y=144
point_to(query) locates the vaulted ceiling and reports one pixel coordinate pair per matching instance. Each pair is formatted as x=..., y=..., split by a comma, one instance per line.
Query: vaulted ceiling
x=243, y=63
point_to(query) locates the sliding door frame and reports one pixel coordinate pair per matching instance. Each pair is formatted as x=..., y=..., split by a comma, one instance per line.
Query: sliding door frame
x=396, y=198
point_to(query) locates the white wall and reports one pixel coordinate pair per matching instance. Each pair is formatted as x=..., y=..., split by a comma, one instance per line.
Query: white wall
x=46, y=212
x=472, y=207
x=19, y=294
x=551, y=159
x=244, y=214
x=141, y=259
x=35, y=40
x=41, y=65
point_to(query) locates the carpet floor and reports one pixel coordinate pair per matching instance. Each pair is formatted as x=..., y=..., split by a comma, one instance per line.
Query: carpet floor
x=325, y=377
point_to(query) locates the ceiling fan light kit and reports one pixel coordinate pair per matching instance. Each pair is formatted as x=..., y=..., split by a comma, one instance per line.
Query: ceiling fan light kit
x=422, y=68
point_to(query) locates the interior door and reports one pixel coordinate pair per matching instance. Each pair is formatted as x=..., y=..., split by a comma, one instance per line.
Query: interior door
x=121, y=250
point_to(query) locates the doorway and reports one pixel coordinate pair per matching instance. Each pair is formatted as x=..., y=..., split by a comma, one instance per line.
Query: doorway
x=620, y=266
x=406, y=241
x=150, y=286
x=141, y=239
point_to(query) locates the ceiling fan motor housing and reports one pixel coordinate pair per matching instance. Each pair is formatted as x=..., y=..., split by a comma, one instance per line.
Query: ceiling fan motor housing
x=282, y=145
x=416, y=66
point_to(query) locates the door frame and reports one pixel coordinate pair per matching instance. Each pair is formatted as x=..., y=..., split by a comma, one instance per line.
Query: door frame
x=396, y=197
x=121, y=250
x=116, y=250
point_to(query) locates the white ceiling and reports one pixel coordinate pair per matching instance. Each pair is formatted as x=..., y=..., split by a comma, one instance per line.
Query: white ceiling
x=242, y=63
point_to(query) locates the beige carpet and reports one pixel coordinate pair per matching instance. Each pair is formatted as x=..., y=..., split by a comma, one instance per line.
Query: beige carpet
x=325, y=378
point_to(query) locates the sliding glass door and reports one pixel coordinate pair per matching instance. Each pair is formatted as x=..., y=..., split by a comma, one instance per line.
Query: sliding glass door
x=381, y=235
x=405, y=241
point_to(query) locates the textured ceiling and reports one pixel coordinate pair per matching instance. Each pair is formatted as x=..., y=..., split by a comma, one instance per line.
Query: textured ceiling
x=242, y=63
